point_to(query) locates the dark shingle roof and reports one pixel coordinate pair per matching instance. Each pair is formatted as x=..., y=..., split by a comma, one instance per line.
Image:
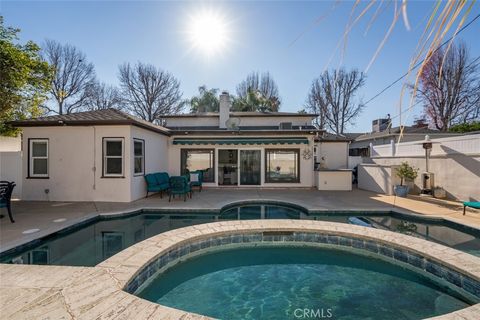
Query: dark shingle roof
x=242, y=114
x=396, y=131
x=97, y=117
x=332, y=137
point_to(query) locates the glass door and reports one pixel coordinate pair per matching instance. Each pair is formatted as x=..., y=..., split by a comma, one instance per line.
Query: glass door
x=250, y=161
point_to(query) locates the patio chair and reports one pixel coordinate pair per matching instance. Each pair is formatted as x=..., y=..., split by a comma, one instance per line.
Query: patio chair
x=471, y=204
x=196, y=179
x=157, y=182
x=179, y=185
x=6, y=189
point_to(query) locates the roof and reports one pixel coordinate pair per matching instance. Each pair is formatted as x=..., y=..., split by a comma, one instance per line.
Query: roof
x=396, y=131
x=97, y=117
x=332, y=137
x=241, y=114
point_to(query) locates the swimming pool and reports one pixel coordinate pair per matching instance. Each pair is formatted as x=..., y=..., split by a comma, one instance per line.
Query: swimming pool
x=93, y=241
x=279, y=282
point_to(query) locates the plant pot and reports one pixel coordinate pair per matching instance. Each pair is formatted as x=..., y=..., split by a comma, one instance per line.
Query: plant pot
x=401, y=191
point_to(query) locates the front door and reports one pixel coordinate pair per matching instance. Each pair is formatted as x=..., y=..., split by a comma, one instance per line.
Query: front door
x=250, y=170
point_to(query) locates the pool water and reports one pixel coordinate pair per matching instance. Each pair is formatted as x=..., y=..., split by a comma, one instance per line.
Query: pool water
x=282, y=282
x=92, y=242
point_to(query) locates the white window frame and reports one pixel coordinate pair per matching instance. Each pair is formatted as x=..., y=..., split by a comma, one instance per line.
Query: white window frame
x=135, y=140
x=31, y=172
x=105, y=157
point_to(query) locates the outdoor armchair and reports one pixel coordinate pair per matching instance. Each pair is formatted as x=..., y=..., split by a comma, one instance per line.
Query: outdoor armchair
x=179, y=185
x=6, y=189
x=471, y=204
x=196, y=179
x=157, y=182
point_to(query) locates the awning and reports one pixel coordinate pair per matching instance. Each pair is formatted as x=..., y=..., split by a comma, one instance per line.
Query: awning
x=239, y=141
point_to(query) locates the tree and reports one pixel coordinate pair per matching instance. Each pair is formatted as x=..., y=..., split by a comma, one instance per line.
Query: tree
x=449, y=87
x=24, y=79
x=73, y=75
x=101, y=96
x=149, y=92
x=257, y=93
x=466, y=127
x=332, y=97
x=206, y=101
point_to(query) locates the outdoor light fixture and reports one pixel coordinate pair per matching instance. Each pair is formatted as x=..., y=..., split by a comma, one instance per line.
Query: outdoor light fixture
x=427, y=176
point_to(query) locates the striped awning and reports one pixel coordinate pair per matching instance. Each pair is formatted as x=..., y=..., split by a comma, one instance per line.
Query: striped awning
x=239, y=141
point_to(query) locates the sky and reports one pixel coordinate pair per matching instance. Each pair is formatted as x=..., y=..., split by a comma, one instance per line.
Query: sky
x=294, y=41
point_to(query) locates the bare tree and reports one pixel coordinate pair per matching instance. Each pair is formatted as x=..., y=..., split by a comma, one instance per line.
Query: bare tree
x=149, y=92
x=262, y=88
x=101, y=96
x=332, y=98
x=449, y=87
x=72, y=76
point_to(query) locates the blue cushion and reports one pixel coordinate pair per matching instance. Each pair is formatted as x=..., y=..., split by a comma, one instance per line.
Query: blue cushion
x=472, y=204
x=162, y=177
x=151, y=181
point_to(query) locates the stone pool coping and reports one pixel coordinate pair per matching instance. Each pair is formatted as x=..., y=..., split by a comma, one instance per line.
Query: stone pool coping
x=29, y=291
x=128, y=264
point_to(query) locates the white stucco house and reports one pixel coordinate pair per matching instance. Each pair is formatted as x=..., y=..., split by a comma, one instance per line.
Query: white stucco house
x=103, y=155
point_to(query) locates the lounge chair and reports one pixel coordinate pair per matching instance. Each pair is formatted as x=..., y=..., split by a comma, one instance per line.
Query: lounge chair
x=471, y=204
x=6, y=189
x=196, y=179
x=157, y=182
x=179, y=185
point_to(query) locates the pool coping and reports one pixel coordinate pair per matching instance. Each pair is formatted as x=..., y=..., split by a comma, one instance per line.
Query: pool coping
x=99, y=291
x=5, y=249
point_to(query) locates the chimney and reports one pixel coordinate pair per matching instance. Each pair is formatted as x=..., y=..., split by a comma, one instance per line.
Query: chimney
x=224, y=111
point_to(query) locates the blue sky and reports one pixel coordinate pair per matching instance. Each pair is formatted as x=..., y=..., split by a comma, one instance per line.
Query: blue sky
x=261, y=36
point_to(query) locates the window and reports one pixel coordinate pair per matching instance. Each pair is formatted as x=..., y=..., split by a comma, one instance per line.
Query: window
x=282, y=165
x=38, y=162
x=138, y=156
x=199, y=159
x=113, y=157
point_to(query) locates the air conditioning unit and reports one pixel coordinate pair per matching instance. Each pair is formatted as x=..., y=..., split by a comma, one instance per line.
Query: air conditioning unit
x=285, y=126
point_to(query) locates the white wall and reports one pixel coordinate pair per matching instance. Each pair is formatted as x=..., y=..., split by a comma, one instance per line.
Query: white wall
x=10, y=143
x=75, y=165
x=377, y=178
x=11, y=170
x=332, y=155
x=306, y=166
x=455, y=162
x=334, y=180
x=156, y=158
x=244, y=121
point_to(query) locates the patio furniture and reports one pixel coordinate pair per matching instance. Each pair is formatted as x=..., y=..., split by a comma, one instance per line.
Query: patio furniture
x=471, y=204
x=196, y=179
x=179, y=185
x=6, y=189
x=157, y=182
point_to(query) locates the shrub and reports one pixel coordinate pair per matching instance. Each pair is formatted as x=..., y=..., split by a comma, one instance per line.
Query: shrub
x=406, y=172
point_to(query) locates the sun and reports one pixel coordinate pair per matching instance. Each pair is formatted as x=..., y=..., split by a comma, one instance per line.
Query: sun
x=208, y=32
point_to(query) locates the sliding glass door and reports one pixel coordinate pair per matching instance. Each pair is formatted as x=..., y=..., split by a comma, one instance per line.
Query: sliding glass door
x=250, y=161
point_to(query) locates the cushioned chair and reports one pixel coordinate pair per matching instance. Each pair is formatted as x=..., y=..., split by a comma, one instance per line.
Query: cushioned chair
x=471, y=204
x=179, y=185
x=6, y=189
x=198, y=181
x=157, y=182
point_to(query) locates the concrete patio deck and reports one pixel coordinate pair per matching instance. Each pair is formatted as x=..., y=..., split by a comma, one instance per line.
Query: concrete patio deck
x=49, y=217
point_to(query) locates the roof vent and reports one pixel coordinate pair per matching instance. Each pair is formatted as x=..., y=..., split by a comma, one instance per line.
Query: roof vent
x=285, y=126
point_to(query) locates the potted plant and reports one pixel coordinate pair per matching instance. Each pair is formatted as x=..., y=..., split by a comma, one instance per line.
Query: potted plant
x=406, y=173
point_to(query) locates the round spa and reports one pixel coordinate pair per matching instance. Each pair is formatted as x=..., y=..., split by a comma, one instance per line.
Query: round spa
x=290, y=271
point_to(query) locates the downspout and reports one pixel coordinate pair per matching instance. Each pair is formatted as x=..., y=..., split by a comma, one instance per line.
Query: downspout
x=94, y=168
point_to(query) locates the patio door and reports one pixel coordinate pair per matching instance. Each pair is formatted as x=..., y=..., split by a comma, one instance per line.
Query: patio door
x=250, y=167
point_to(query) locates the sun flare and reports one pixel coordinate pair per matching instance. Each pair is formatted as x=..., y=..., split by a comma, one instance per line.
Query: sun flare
x=208, y=32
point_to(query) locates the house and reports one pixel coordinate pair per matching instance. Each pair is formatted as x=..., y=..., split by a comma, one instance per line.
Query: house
x=382, y=133
x=103, y=155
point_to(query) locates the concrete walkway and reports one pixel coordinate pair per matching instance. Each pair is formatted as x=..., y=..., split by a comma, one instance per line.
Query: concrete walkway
x=49, y=217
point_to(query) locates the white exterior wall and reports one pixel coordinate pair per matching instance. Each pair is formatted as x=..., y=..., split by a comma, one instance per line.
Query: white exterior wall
x=75, y=165
x=334, y=180
x=192, y=121
x=9, y=144
x=306, y=165
x=11, y=170
x=156, y=158
x=332, y=155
